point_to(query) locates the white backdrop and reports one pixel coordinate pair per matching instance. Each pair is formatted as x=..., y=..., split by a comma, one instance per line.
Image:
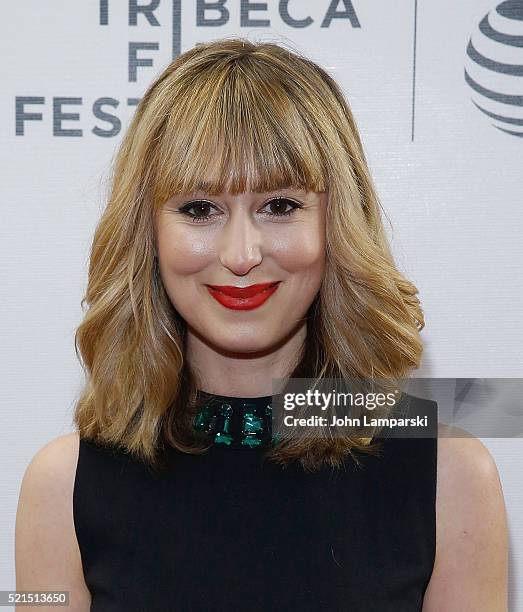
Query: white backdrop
x=449, y=176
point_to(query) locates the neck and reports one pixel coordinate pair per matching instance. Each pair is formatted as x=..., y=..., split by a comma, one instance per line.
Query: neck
x=241, y=373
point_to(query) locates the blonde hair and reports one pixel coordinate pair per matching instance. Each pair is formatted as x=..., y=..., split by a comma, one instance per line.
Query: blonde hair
x=234, y=115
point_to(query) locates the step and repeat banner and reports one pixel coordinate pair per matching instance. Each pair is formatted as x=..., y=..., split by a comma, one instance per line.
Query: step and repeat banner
x=436, y=89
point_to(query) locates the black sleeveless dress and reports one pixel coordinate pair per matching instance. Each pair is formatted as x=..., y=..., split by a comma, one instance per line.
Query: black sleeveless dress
x=228, y=531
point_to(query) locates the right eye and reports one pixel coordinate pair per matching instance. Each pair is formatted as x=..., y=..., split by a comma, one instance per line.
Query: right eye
x=201, y=207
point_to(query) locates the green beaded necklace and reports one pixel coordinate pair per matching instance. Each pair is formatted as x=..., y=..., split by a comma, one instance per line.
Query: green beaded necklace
x=235, y=422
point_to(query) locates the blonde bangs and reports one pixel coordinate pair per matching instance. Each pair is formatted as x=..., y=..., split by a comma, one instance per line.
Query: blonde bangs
x=228, y=131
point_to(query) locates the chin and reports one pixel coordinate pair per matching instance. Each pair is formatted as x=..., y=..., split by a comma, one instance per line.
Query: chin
x=235, y=342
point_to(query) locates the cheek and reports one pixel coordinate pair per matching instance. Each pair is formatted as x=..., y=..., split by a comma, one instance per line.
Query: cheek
x=183, y=251
x=302, y=250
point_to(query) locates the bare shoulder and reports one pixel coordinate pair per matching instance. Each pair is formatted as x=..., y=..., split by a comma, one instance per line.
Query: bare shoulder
x=463, y=460
x=471, y=566
x=47, y=556
x=61, y=452
x=52, y=470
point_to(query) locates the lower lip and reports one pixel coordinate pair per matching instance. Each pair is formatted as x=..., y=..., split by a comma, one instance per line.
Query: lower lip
x=243, y=303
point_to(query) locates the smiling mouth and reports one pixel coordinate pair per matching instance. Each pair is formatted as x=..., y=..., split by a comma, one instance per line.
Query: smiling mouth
x=258, y=295
x=242, y=292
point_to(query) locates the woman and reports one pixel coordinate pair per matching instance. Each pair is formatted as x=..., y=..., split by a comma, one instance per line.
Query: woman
x=243, y=243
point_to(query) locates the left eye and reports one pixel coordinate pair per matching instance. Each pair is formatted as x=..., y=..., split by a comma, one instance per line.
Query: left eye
x=280, y=204
x=277, y=208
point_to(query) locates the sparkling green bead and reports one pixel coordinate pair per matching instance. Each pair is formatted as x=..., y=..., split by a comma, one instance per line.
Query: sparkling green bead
x=205, y=420
x=250, y=428
x=251, y=441
x=223, y=438
x=252, y=423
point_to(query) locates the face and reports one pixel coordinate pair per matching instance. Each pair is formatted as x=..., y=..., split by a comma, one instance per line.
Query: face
x=211, y=247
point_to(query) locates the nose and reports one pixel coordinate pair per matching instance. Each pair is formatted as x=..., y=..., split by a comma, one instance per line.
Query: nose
x=240, y=243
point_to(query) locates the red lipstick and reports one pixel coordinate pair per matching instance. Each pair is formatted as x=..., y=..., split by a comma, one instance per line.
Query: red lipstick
x=242, y=298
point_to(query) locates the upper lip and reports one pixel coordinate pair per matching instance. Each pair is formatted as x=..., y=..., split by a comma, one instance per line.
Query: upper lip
x=242, y=292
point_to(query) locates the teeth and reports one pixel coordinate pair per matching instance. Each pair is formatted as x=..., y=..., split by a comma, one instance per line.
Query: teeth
x=246, y=298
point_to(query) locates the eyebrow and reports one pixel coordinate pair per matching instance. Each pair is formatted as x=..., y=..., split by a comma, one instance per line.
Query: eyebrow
x=203, y=193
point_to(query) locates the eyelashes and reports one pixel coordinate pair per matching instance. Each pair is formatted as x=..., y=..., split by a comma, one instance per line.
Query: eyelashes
x=203, y=206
